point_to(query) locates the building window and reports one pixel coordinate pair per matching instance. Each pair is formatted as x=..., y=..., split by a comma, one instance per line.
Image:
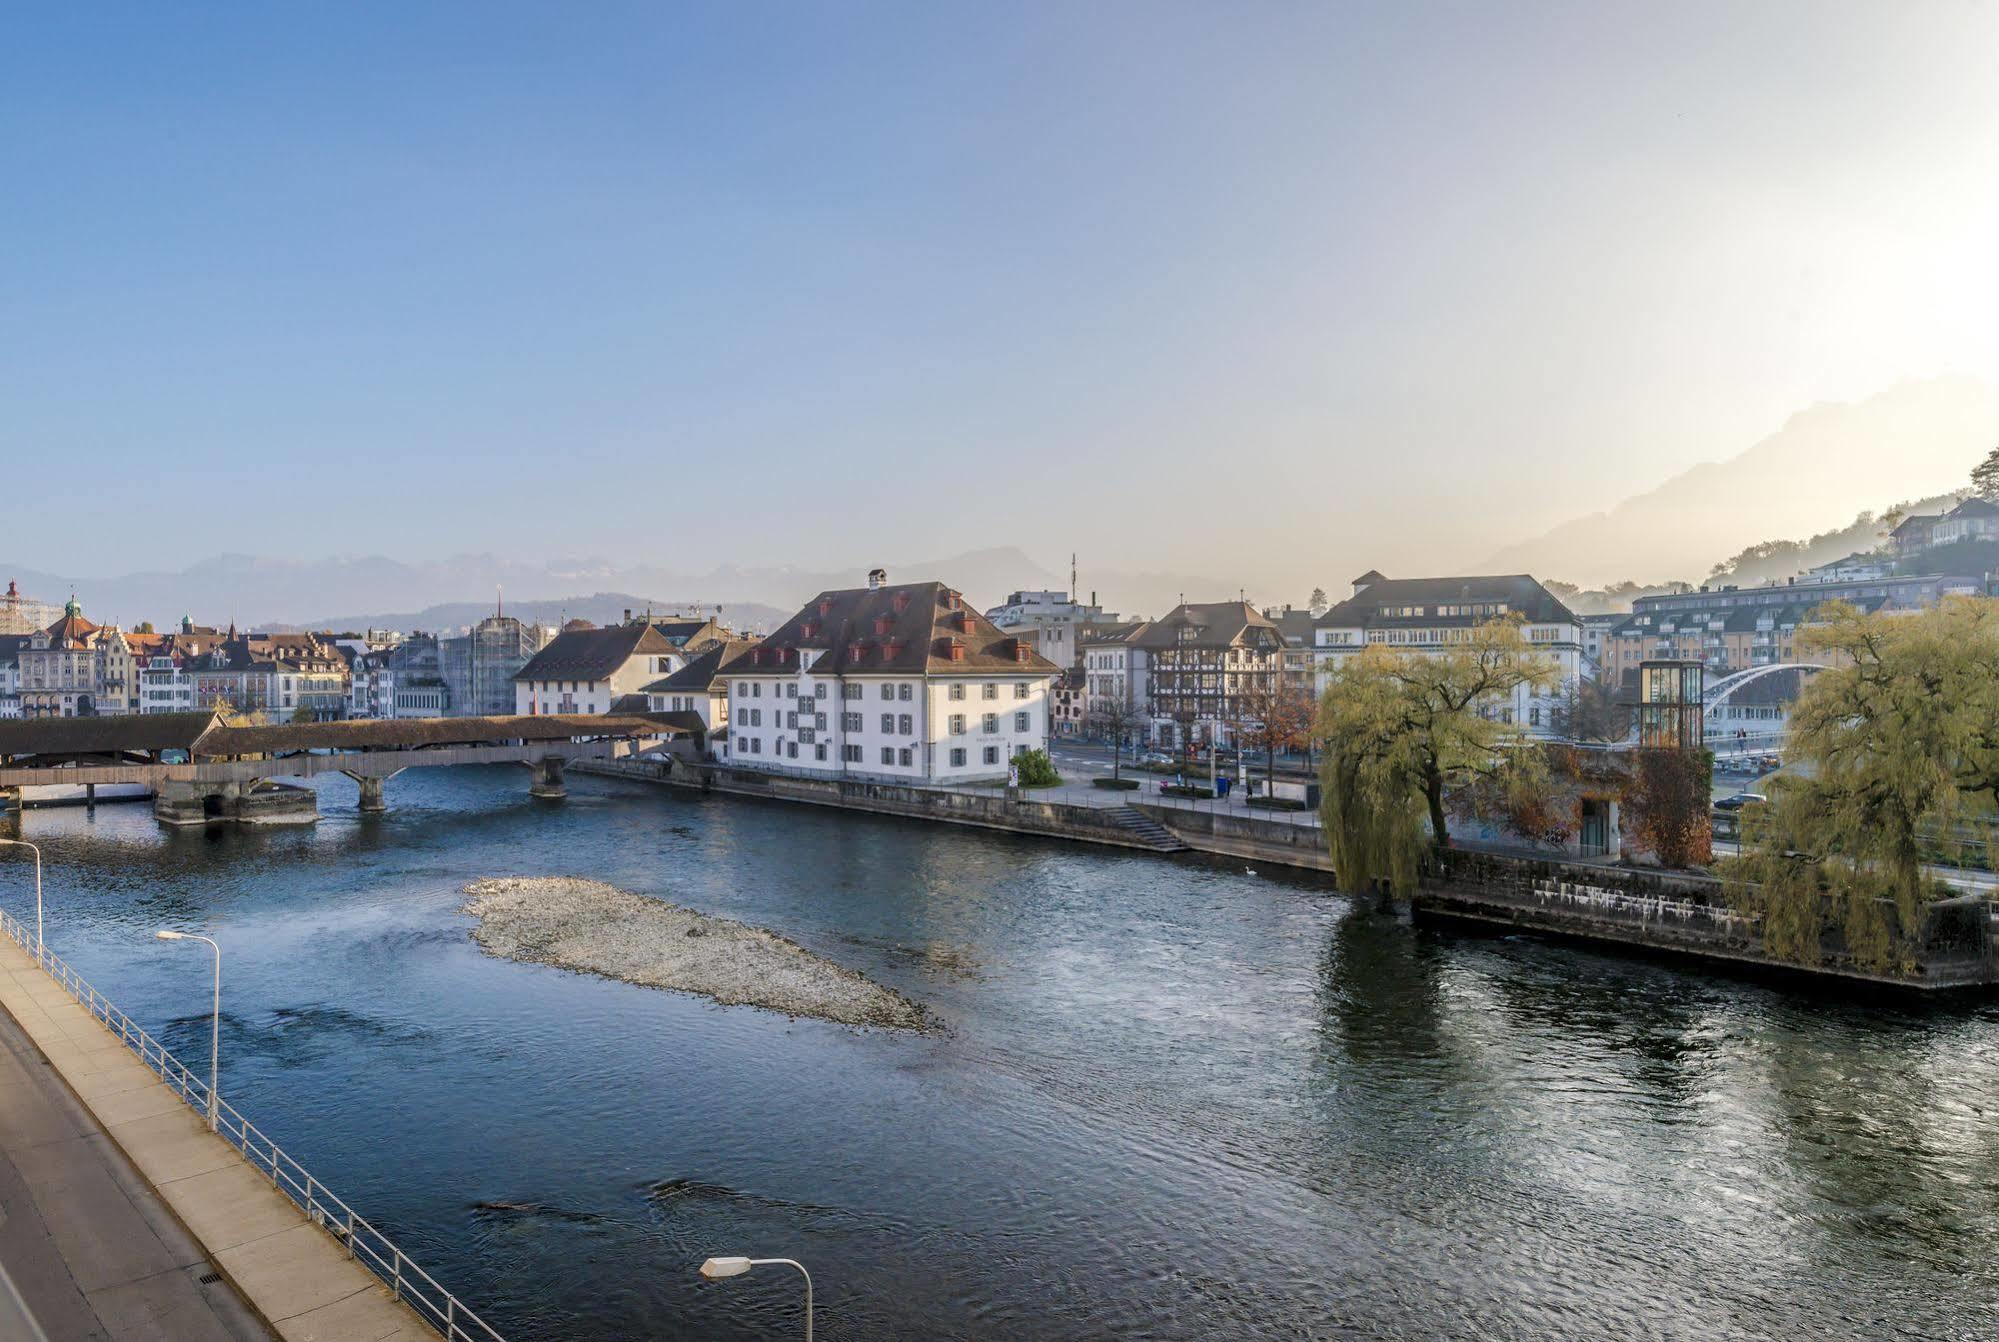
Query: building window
x=1020, y=722
x=957, y=724
x=888, y=754
x=958, y=758
x=888, y=724
x=989, y=691
x=992, y=754
x=888, y=690
x=851, y=754
x=819, y=690
x=1020, y=689
x=989, y=723
x=851, y=691
x=793, y=751
x=903, y=693
x=957, y=692
x=850, y=722
x=906, y=756
x=791, y=690
x=905, y=724
x=819, y=751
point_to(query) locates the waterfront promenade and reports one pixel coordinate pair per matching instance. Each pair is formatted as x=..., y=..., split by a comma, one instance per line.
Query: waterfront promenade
x=138, y=1201
x=87, y=1249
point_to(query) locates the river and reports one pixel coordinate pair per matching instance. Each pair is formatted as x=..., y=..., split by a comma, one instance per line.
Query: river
x=1170, y=1100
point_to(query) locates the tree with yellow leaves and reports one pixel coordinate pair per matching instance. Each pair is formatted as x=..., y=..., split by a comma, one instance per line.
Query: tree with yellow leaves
x=1891, y=752
x=1401, y=727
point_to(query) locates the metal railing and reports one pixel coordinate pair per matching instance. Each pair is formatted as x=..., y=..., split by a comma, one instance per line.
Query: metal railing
x=362, y=1241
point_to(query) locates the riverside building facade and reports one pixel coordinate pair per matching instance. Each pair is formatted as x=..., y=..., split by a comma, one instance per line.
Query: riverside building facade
x=904, y=683
x=1434, y=615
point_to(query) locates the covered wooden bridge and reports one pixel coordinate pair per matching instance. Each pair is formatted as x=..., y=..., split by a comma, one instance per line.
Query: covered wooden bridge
x=199, y=768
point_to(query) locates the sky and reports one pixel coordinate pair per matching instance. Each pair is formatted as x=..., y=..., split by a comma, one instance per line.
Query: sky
x=1284, y=289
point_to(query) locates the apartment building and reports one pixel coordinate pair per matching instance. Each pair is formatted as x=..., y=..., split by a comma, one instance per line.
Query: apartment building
x=904, y=683
x=1434, y=615
x=1055, y=621
x=585, y=669
x=1735, y=628
x=700, y=688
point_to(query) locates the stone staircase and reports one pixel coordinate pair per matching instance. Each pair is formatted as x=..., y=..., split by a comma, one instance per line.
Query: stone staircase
x=1146, y=831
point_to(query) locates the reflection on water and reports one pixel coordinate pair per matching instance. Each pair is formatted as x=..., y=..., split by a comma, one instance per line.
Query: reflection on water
x=1171, y=1101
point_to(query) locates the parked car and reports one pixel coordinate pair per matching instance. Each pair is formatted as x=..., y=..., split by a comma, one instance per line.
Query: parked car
x=1155, y=757
x=1739, y=800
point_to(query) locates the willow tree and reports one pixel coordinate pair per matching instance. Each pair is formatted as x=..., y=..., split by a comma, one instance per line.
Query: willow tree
x=1400, y=728
x=1890, y=754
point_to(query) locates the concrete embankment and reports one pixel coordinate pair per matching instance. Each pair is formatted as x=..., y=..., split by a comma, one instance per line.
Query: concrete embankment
x=293, y=1273
x=1137, y=825
x=1253, y=838
x=1119, y=827
x=599, y=929
x=1682, y=914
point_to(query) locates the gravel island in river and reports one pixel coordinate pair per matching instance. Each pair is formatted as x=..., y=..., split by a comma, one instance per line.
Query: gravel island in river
x=597, y=928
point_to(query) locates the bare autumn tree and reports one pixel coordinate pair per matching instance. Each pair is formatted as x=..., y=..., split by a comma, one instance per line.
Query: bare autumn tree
x=1590, y=711
x=1118, y=720
x=1277, y=717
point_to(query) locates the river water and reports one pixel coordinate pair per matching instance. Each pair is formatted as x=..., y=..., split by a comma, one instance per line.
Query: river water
x=1171, y=1100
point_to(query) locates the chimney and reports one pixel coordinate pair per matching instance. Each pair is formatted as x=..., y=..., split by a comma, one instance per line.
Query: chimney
x=628, y=614
x=877, y=579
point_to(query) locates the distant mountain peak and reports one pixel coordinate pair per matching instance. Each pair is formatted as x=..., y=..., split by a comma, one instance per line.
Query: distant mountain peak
x=1829, y=462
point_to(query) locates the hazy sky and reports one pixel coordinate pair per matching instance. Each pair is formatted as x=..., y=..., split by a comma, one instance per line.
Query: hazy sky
x=1318, y=286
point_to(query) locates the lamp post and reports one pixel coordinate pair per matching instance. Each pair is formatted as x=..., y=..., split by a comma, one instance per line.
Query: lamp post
x=22, y=843
x=215, y=1026
x=717, y=1268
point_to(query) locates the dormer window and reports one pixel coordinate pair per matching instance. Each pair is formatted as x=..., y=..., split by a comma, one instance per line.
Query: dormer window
x=825, y=605
x=951, y=599
x=956, y=651
x=883, y=624
x=895, y=648
x=901, y=602
x=964, y=622
x=810, y=629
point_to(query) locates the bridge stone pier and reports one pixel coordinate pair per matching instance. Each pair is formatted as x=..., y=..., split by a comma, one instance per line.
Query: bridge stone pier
x=548, y=779
x=258, y=801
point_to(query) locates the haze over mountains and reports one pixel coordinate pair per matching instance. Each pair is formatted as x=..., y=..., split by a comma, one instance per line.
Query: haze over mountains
x=1825, y=465
x=353, y=593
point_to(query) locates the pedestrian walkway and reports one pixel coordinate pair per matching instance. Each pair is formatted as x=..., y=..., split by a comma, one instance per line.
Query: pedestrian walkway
x=293, y=1274
x=87, y=1249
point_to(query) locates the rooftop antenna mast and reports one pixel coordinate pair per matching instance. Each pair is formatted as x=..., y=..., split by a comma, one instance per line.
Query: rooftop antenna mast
x=1072, y=575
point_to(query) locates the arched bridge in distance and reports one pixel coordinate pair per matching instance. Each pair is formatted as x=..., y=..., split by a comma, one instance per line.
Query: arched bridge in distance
x=201, y=769
x=1764, y=737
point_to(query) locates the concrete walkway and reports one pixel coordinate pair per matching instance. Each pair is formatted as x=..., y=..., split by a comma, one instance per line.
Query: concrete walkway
x=135, y=1277
x=87, y=1250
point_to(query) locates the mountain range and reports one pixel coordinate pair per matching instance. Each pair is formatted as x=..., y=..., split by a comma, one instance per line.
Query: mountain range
x=349, y=593
x=1917, y=439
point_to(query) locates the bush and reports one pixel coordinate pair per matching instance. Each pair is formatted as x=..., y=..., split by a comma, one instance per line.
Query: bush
x=1036, y=769
x=1189, y=790
x=1122, y=784
x=1279, y=803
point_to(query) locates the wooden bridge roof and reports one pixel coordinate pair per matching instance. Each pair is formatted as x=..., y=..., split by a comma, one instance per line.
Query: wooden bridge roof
x=133, y=733
x=204, y=735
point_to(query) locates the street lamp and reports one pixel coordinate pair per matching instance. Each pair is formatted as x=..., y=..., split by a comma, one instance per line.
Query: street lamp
x=717, y=1268
x=215, y=1025
x=22, y=843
